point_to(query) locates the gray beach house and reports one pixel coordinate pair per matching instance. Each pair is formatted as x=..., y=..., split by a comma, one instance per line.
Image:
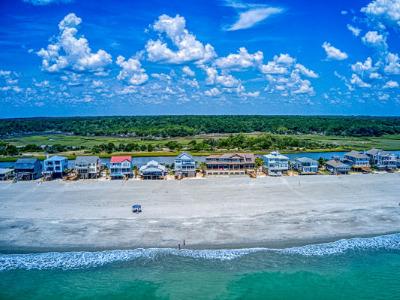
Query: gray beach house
x=358, y=161
x=230, y=164
x=87, y=166
x=382, y=160
x=335, y=166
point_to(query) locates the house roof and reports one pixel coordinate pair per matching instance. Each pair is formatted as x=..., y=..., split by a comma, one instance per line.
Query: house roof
x=337, y=164
x=25, y=163
x=356, y=154
x=153, y=166
x=373, y=151
x=232, y=155
x=306, y=160
x=86, y=159
x=378, y=151
x=119, y=159
x=276, y=154
x=56, y=158
x=242, y=155
x=183, y=154
x=5, y=171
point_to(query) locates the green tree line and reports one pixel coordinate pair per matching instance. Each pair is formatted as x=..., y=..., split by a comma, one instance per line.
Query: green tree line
x=182, y=126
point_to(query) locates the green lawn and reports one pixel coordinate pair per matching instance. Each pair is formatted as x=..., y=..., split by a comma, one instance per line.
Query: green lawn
x=387, y=142
x=88, y=141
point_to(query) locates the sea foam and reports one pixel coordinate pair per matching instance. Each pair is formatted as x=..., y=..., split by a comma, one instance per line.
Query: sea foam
x=78, y=260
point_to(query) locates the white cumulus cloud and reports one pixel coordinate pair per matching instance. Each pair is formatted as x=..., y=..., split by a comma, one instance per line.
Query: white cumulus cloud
x=306, y=72
x=392, y=62
x=224, y=80
x=357, y=81
x=72, y=52
x=241, y=60
x=387, y=11
x=188, y=47
x=284, y=76
x=131, y=70
x=354, y=30
x=391, y=84
x=362, y=68
x=333, y=53
x=374, y=39
x=213, y=92
x=188, y=71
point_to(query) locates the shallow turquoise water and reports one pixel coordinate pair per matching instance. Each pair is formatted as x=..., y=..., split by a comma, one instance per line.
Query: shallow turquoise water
x=349, y=269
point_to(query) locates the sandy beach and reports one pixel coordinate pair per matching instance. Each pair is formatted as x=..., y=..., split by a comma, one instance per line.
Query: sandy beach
x=207, y=213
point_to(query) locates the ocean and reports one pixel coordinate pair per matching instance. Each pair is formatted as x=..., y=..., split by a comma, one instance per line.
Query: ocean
x=360, y=268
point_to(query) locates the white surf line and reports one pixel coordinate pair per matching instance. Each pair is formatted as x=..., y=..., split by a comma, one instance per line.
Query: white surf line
x=78, y=260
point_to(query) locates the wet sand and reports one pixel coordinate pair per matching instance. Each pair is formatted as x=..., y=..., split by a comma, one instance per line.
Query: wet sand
x=218, y=212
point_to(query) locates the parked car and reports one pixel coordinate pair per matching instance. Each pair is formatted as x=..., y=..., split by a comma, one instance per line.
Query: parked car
x=136, y=208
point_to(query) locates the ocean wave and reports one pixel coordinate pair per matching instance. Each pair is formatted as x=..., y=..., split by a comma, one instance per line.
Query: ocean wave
x=82, y=259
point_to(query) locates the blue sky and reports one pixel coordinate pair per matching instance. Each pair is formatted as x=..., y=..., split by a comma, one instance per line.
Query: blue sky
x=65, y=57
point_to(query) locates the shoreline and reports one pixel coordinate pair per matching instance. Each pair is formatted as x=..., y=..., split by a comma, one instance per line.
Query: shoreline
x=212, y=213
x=273, y=245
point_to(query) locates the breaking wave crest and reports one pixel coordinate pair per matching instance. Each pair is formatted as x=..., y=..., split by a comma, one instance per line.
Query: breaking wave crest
x=78, y=260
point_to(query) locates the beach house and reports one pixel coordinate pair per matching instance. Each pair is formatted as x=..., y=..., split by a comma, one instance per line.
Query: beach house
x=28, y=169
x=358, y=161
x=305, y=165
x=381, y=159
x=55, y=166
x=121, y=167
x=6, y=174
x=153, y=170
x=335, y=166
x=185, y=165
x=275, y=163
x=87, y=166
x=230, y=164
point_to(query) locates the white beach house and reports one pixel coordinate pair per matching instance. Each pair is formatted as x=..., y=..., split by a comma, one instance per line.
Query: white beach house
x=382, y=160
x=335, y=166
x=306, y=165
x=6, y=173
x=153, y=170
x=121, y=167
x=357, y=160
x=275, y=163
x=185, y=165
x=55, y=166
x=87, y=166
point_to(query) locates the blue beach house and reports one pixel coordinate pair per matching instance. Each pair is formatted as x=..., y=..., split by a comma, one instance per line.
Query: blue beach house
x=28, y=169
x=306, y=165
x=275, y=163
x=55, y=166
